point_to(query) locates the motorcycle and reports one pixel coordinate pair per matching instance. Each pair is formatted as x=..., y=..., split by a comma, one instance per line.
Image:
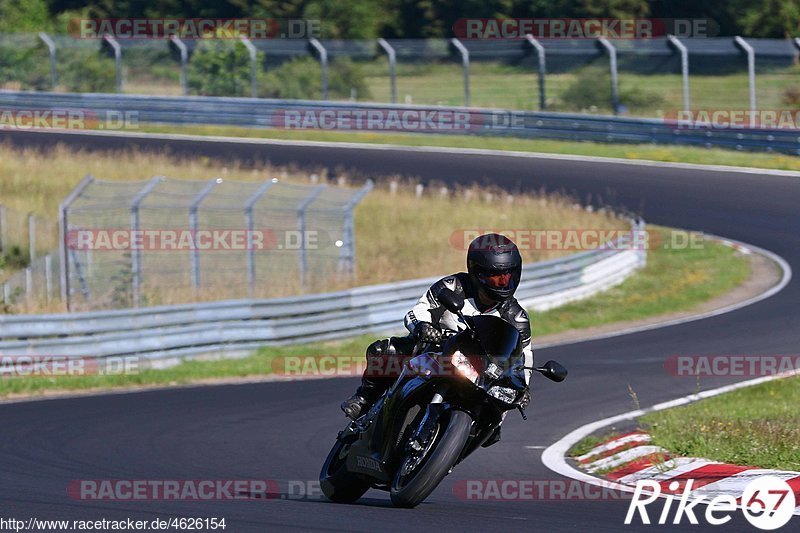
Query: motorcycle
x=442, y=407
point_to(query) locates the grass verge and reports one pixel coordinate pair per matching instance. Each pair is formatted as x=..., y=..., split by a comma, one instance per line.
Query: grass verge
x=754, y=426
x=386, y=252
x=673, y=280
x=672, y=154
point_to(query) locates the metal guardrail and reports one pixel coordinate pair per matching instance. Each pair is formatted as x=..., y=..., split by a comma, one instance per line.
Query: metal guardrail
x=269, y=113
x=238, y=325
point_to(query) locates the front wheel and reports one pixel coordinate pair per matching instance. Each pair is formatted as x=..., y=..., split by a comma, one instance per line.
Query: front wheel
x=337, y=483
x=419, y=475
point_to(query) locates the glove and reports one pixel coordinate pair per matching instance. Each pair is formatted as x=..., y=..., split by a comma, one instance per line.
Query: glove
x=526, y=399
x=426, y=332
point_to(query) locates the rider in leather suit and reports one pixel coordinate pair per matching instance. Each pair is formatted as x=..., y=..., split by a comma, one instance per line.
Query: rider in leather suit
x=494, y=267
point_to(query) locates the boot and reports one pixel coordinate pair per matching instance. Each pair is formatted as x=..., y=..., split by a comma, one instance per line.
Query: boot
x=360, y=402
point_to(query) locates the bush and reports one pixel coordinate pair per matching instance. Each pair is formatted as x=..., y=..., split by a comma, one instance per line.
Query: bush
x=593, y=88
x=87, y=71
x=30, y=68
x=301, y=78
x=221, y=67
x=791, y=96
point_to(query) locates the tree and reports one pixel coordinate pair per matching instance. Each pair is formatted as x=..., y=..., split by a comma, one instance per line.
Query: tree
x=345, y=19
x=773, y=18
x=24, y=16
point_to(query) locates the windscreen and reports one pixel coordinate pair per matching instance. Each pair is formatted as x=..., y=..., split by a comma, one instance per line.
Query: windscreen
x=498, y=338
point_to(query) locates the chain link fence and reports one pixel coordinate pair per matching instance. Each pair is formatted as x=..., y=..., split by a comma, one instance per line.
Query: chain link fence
x=28, y=267
x=163, y=241
x=652, y=77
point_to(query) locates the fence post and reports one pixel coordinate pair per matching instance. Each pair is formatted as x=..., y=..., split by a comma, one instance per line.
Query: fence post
x=51, y=47
x=28, y=284
x=63, y=229
x=347, y=256
x=31, y=237
x=301, y=222
x=48, y=277
x=681, y=48
x=323, y=61
x=542, y=69
x=117, y=60
x=751, y=75
x=3, y=228
x=392, y=62
x=136, y=257
x=195, y=256
x=465, y=62
x=612, y=62
x=253, y=63
x=248, y=216
x=184, y=63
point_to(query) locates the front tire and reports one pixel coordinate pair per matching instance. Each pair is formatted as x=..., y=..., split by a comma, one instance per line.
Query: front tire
x=410, y=489
x=337, y=483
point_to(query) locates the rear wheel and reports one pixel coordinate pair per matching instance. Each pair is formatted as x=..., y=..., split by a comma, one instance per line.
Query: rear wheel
x=337, y=483
x=421, y=472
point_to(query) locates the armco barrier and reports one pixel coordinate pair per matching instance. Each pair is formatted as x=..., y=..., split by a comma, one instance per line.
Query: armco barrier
x=263, y=113
x=238, y=325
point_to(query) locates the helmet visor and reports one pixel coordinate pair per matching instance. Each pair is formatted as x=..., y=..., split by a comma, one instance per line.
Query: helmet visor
x=496, y=280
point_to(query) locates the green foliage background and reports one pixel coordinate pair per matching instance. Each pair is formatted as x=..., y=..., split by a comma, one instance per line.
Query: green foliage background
x=357, y=19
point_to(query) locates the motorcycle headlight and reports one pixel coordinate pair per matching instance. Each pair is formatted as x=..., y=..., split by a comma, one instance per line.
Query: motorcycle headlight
x=464, y=367
x=504, y=394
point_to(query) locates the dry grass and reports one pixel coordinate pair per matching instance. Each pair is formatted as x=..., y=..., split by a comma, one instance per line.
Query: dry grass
x=398, y=235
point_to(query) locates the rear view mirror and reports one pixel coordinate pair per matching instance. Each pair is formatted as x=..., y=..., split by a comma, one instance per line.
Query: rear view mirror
x=451, y=301
x=553, y=370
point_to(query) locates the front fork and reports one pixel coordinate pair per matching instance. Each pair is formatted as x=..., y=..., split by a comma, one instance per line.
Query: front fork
x=424, y=430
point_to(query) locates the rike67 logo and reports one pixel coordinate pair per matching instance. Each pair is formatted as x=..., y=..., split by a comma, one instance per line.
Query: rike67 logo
x=768, y=503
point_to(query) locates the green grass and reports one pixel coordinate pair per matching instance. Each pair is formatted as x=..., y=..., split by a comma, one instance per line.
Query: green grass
x=675, y=154
x=496, y=85
x=754, y=426
x=673, y=280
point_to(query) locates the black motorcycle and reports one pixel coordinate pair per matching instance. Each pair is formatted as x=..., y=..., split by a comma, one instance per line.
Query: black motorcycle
x=442, y=407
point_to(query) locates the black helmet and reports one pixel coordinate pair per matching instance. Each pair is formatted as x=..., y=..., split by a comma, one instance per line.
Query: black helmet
x=494, y=265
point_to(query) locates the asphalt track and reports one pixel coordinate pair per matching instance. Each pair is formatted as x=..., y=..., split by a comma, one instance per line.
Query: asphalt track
x=282, y=431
